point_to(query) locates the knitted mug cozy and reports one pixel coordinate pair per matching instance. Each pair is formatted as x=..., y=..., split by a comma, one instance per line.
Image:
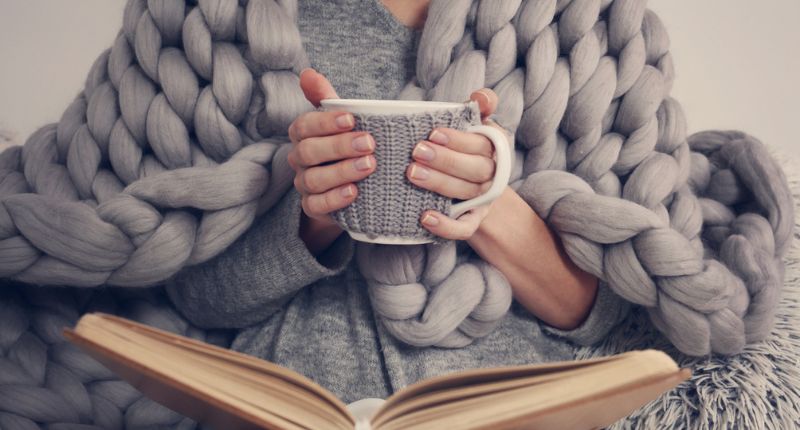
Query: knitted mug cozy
x=388, y=204
x=176, y=144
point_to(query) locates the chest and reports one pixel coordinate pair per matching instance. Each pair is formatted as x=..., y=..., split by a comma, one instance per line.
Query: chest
x=410, y=13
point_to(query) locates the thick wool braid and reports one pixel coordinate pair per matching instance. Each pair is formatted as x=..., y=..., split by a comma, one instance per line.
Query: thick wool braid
x=46, y=381
x=432, y=294
x=178, y=129
x=627, y=139
x=608, y=99
x=599, y=111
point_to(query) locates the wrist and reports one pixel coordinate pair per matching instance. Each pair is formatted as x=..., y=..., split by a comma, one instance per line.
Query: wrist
x=496, y=222
x=318, y=234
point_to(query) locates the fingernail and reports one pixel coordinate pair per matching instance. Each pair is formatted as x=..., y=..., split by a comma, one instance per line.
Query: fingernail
x=347, y=191
x=430, y=220
x=363, y=163
x=305, y=70
x=423, y=152
x=438, y=137
x=485, y=96
x=419, y=172
x=362, y=143
x=344, y=121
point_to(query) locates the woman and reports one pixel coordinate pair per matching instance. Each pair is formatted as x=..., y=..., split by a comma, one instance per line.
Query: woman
x=291, y=282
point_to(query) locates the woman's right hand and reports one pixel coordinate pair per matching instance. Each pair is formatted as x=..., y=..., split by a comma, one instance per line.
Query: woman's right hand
x=328, y=158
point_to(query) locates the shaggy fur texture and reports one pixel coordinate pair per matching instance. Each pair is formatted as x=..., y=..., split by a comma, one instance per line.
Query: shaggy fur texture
x=757, y=389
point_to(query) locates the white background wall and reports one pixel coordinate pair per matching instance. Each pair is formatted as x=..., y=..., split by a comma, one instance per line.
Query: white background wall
x=737, y=61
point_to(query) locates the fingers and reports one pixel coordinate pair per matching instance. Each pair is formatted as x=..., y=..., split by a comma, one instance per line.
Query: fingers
x=312, y=124
x=469, y=167
x=455, y=229
x=322, y=137
x=317, y=150
x=320, y=179
x=461, y=141
x=320, y=205
x=315, y=124
x=487, y=101
x=444, y=184
x=316, y=87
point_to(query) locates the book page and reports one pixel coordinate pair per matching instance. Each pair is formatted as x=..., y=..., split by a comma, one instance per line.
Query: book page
x=193, y=370
x=230, y=356
x=479, y=376
x=489, y=404
x=246, y=385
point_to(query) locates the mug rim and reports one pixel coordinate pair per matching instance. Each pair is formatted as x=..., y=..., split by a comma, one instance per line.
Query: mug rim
x=375, y=106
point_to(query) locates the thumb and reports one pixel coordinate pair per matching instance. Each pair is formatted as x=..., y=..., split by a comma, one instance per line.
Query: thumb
x=487, y=101
x=316, y=87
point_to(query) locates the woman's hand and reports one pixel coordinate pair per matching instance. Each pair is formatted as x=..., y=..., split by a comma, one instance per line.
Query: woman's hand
x=459, y=165
x=327, y=158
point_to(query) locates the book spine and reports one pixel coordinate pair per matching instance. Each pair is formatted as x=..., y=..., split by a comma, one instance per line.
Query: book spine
x=363, y=424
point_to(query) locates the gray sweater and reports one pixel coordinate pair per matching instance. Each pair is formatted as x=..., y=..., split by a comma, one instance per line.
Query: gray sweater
x=313, y=314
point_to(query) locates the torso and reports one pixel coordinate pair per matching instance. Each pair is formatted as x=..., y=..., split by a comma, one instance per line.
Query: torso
x=359, y=45
x=411, y=13
x=328, y=331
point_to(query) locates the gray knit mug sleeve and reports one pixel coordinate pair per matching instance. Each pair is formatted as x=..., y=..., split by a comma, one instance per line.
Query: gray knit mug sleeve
x=388, y=205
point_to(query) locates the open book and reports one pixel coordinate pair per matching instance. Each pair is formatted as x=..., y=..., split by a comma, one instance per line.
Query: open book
x=229, y=390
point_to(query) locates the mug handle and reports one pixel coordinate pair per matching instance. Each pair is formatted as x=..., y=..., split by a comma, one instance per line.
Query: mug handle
x=502, y=170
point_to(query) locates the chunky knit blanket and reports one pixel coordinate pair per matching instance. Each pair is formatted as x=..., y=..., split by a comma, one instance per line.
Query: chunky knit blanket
x=177, y=143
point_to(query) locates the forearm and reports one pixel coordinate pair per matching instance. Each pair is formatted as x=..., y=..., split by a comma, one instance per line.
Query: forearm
x=542, y=276
x=318, y=236
x=256, y=274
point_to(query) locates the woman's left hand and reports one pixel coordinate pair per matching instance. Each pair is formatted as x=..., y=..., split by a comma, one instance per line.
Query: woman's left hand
x=459, y=165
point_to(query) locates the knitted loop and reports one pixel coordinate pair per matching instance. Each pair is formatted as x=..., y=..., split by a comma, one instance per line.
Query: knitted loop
x=456, y=303
x=129, y=138
x=45, y=380
x=701, y=304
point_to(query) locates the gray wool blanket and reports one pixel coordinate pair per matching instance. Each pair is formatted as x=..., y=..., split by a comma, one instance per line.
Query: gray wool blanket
x=46, y=381
x=177, y=142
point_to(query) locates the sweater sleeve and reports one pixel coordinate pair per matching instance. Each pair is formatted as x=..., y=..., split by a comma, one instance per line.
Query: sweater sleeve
x=608, y=310
x=257, y=274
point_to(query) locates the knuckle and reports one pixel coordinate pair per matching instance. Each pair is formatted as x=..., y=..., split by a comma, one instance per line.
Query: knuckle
x=340, y=147
x=298, y=182
x=448, y=161
x=475, y=190
x=486, y=172
x=316, y=205
x=331, y=201
x=306, y=205
x=440, y=187
x=311, y=182
x=345, y=170
x=301, y=128
x=303, y=150
x=486, y=146
x=290, y=159
x=466, y=234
